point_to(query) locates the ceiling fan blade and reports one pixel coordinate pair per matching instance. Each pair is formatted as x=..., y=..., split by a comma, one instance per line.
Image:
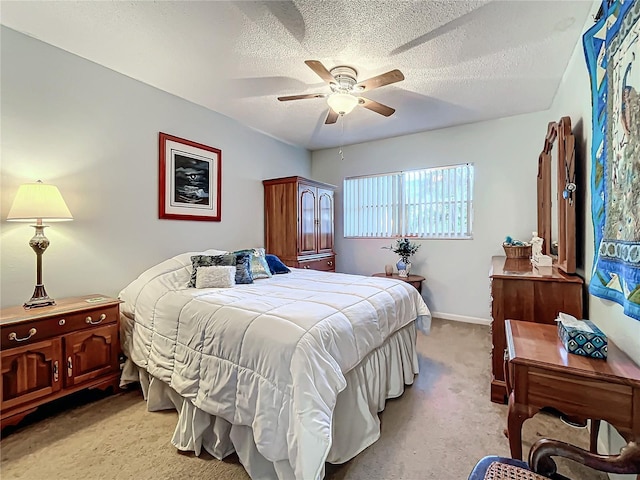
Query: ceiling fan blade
x=321, y=71
x=376, y=107
x=301, y=97
x=332, y=117
x=379, y=81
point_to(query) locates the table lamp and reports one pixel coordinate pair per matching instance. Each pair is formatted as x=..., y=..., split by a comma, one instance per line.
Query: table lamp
x=37, y=202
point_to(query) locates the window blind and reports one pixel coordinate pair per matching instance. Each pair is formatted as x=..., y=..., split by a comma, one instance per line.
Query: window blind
x=426, y=203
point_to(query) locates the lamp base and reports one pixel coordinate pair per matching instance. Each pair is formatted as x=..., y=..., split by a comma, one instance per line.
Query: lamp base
x=39, y=298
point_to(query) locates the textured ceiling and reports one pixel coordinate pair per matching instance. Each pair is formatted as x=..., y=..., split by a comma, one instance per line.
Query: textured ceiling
x=463, y=61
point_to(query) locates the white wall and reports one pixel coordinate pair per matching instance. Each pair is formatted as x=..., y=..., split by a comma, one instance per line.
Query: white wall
x=505, y=154
x=574, y=99
x=94, y=134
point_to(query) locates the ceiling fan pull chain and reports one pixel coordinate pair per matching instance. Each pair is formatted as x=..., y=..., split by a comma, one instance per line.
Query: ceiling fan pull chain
x=341, y=137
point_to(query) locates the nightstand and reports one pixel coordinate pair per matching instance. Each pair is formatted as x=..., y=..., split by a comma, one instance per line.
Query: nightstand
x=49, y=352
x=415, y=280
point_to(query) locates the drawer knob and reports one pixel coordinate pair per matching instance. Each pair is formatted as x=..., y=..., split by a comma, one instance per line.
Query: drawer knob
x=62, y=321
x=330, y=263
x=14, y=337
x=90, y=321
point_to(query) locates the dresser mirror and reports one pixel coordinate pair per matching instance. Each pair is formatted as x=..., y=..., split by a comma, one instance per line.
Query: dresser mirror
x=556, y=194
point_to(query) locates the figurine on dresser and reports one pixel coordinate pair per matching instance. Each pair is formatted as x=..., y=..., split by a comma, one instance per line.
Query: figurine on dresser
x=538, y=259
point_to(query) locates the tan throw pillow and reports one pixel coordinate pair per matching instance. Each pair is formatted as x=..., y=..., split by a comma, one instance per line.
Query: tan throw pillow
x=216, y=276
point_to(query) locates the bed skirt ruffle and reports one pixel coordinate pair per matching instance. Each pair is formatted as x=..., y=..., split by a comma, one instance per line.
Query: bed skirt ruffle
x=381, y=375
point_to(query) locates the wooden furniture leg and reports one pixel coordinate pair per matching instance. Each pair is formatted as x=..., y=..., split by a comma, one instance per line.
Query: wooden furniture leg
x=515, y=419
x=593, y=435
x=17, y=418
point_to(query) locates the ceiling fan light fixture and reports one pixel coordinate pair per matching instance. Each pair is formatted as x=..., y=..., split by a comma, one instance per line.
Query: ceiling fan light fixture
x=342, y=103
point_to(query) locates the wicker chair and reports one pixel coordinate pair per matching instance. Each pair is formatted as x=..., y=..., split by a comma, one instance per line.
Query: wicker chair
x=542, y=467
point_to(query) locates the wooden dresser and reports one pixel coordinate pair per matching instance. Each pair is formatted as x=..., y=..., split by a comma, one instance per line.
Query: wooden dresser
x=299, y=216
x=519, y=292
x=49, y=352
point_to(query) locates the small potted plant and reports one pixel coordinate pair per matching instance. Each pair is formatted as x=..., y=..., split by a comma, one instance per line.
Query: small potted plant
x=405, y=249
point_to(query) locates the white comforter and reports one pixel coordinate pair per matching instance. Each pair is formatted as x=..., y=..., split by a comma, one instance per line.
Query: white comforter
x=270, y=355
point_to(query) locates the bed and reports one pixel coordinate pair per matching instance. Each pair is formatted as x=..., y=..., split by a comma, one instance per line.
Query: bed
x=289, y=371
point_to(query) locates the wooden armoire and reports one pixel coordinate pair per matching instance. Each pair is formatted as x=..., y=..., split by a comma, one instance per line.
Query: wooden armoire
x=299, y=217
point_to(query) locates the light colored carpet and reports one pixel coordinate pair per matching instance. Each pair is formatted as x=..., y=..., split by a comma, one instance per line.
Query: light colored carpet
x=438, y=429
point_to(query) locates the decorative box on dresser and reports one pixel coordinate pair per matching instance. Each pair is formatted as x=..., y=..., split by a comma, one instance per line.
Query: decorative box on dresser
x=49, y=352
x=520, y=292
x=299, y=217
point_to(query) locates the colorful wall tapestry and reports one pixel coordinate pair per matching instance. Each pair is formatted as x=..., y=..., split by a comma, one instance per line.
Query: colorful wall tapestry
x=613, y=57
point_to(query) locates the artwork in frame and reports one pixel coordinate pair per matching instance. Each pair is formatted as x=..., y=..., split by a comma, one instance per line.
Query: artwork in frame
x=190, y=180
x=612, y=50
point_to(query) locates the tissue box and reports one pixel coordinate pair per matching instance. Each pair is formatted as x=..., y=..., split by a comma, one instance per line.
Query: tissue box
x=582, y=337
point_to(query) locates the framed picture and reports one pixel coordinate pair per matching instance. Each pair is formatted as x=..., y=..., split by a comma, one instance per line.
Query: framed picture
x=190, y=180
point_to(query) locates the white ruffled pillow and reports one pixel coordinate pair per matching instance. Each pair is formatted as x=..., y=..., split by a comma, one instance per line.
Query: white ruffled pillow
x=216, y=276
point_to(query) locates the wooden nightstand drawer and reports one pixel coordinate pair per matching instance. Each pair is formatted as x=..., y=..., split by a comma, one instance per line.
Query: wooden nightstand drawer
x=326, y=264
x=27, y=332
x=586, y=396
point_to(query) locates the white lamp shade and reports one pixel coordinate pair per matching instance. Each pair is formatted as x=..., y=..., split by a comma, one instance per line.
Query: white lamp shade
x=342, y=103
x=38, y=201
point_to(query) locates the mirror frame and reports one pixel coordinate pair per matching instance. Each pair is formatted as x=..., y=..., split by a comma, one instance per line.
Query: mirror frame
x=559, y=132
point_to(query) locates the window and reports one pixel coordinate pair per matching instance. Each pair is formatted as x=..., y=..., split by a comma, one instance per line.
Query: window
x=427, y=203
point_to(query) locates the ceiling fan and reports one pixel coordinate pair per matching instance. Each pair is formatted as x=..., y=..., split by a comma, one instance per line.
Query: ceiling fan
x=346, y=90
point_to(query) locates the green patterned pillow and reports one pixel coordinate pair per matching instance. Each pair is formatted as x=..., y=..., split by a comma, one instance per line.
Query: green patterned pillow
x=259, y=265
x=242, y=262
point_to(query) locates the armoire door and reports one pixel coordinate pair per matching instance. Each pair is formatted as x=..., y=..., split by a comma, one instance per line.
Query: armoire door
x=325, y=220
x=307, y=241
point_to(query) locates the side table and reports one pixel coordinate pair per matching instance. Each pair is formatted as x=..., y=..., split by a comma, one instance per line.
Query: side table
x=415, y=280
x=541, y=373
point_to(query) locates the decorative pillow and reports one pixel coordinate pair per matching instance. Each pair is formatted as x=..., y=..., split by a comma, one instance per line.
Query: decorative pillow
x=216, y=277
x=243, y=268
x=259, y=266
x=275, y=265
x=242, y=262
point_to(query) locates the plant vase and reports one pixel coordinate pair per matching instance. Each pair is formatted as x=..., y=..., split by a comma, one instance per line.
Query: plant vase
x=403, y=268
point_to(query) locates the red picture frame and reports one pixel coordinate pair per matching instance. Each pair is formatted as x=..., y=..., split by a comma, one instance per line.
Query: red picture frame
x=190, y=180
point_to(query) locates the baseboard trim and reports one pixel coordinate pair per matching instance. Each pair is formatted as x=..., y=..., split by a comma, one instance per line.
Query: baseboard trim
x=461, y=318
